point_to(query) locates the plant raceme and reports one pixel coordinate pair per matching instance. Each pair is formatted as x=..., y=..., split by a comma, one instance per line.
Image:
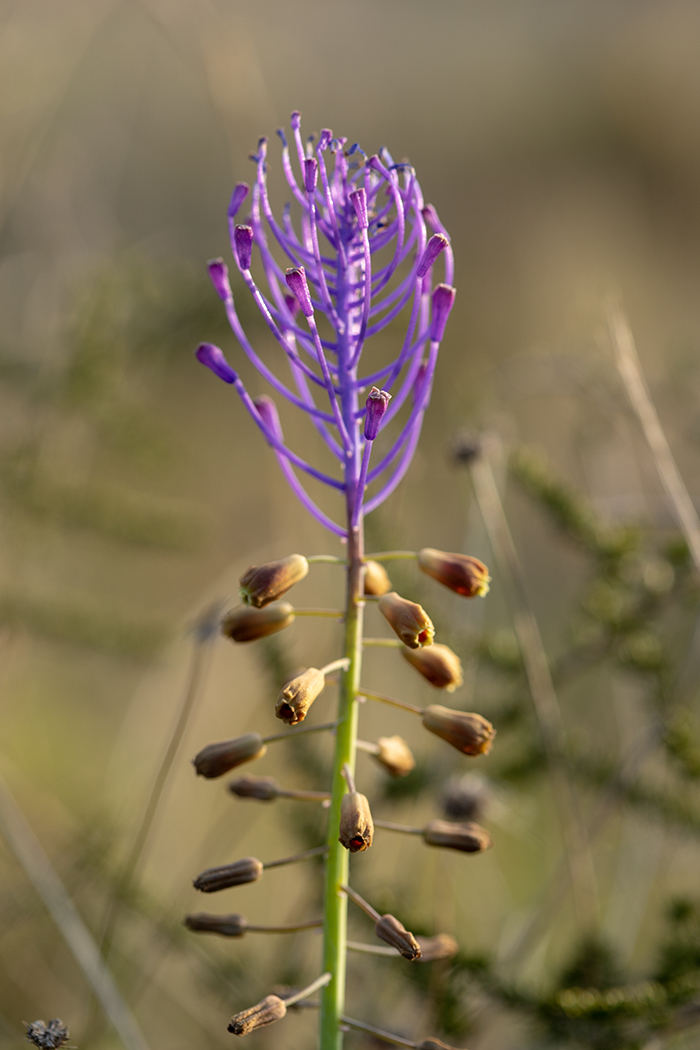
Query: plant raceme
x=362, y=249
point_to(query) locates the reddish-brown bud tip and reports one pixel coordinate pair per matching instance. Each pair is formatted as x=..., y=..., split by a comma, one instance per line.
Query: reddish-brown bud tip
x=356, y=824
x=470, y=733
x=438, y=664
x=249, y=869
x=216, y=759
x=224, y=925
x=460, y=572
x=389, y=929
x=263, y=584
x=297, y=696
x=271, y=1009
x=246, y=624
x=263, y=788
x=376, y=579
x=407, y=619
x=468, y=837
x=394, y=755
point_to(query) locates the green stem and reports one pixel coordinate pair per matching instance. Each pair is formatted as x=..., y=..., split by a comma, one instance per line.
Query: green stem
x=391, y=556
x=335, y=905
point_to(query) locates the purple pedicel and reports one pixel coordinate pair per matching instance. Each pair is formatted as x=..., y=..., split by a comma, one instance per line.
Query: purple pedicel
x=214, y=359
x=377, y=404
x=361, y=250
x=243, y=241
x=218, y=271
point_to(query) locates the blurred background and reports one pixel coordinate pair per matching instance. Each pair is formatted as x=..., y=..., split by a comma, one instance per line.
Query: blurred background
x=561, y=146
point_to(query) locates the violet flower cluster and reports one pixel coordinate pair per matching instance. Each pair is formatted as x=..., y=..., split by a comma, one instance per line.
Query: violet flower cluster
x=361, y=254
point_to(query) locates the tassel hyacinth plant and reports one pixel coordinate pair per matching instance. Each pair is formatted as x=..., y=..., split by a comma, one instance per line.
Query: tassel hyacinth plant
x=364, y=252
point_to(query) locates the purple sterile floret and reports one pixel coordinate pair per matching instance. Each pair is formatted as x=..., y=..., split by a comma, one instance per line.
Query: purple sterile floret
x=358, y=251
x=377, y=404
x=243, y=241
x=211, y=356
x=218, y=271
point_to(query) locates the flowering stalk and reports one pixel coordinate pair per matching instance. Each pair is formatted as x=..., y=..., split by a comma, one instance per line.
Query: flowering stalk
x=350, y=215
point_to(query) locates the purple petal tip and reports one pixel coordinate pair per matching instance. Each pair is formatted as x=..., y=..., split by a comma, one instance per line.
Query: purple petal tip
x=296, y=281
x=437, y=243
x=377, y=404
x=443, y=301
x=237, y=197
x=243, y=243
x=218, y=272
x=211, y=356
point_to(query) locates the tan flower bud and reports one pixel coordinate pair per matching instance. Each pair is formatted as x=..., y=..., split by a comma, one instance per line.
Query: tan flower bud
x=216, y=759
x=297, y=696
x=245, y=624
x=356, y=824
x=468, y=732
x=263, y=788
x=438, y=664
x=377, y=580
x=395, y=755
x=441, y=946
x=468, y=837
x=249, y=869
x=271, y=1009
x=407, y=619
x=225, y=925
x=263, y=584
x=389, y=929
x=461, y=573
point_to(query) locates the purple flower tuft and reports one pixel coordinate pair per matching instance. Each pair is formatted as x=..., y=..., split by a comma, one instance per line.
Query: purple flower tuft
x=377, y=404
x=218, y=271
x=243, y=241
x=211, y=356
x=443, y=301
x=296, y=280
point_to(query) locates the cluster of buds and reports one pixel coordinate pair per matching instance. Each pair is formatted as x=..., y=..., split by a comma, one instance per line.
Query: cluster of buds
x=365, y=254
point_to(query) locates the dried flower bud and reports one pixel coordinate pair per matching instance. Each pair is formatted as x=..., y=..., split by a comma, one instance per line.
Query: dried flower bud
x=249, y=869
x=224, y=925
x=262, y=788
x=271, y=1009
x=389, y=929
x=377, y=403
x=216, y=759
x=356, y=824
x=395, y=755
x=469, y=838
x=407, y=619
x=262, y=584
x=297, y=696
x=460, y=572
x=246, y=624
x=470, y=733
x=441, y=946
x=47, y=1036
x=438, y=664
x=377, y=580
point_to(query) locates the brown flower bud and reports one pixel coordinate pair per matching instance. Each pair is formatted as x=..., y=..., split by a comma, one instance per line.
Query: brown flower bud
x=469, y=733
x=441, y=946
x=271, y=1009
x=407, y=619
x=297, y=696
x=389, y=929
x=225, y=925
x=216, y=759
x=356, y=824
x=245, y=624
x=263, y=584
x=395, y=755
x=469, y=837
x=249, y=869
x=377, y=580
x=263, y=788
x=438, y=664
x=461, y=573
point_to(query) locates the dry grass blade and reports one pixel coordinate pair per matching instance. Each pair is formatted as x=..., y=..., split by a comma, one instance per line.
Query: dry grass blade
x=628, y=365
x=28, y=850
